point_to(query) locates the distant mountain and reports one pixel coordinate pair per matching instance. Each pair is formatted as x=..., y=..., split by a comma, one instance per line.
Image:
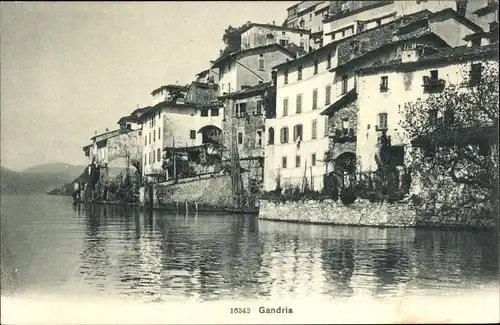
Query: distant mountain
x=38, y=179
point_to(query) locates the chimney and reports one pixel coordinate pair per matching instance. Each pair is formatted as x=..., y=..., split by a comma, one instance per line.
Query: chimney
x=410, y=53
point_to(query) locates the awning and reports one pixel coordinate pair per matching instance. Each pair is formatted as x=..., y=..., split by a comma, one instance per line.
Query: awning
x=342, y=102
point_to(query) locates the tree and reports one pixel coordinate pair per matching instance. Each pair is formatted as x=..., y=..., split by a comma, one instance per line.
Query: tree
x=232, y=39
x=454, y=136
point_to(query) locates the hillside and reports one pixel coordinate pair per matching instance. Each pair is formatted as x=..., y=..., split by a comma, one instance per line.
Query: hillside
x=38, y=179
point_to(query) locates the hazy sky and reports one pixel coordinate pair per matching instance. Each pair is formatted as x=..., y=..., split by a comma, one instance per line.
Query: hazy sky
x=68, y=69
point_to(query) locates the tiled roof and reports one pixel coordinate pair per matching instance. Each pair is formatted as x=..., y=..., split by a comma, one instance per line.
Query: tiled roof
x=299, y=51
x=169, y=88
x=277, y=27
x=460, y=53
x=248, y=91
x=253, y=49
x=355, y=11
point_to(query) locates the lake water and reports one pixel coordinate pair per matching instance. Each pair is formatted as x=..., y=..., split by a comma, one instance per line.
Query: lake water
x=52, y=247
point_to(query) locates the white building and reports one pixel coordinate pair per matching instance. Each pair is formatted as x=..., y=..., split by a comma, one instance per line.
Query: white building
x=404, y=78
x=257, y=35
x=249, y=67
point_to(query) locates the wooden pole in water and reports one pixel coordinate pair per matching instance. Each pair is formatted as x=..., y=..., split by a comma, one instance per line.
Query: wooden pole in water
x=186, y=206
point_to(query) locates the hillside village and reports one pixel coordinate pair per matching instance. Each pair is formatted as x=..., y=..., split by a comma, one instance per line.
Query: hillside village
x=309, y=108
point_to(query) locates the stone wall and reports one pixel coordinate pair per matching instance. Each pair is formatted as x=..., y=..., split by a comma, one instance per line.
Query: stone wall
x=339, y=144
x=364, y=213
x=210, y=191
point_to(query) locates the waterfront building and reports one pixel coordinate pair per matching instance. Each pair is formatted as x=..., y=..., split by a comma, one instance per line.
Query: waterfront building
x=244, y=129
x=305, y=88
x=257, y=35
x=182, y=116
x=384, y=88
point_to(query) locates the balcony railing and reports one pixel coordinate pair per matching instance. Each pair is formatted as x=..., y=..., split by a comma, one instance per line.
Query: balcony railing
x=343, y=135
x=433, y=84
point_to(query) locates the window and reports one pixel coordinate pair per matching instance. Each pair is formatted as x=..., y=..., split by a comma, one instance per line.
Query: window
x=283, y=42
x=158, y=154
x=270, y=140
x=154, y=135
x=326, y=127
x=285, y=106
x=258, y=109
x=258, y=140
x=384, y=83
x=382, y=121
x=145, y=140
x=214, y=112
x=345, y=80
x=283, y=33
x=297, y=161
x=150, y=160
x=315, y=99
x=475, y=74
x=261, y=62
x=297, y=132
x=313, y=159
x=241, y=109
x=299, y=73
x=434, y=74
x=328, y=94
x=285, y=76
x=314, y=129
x=145, y=159
x=240, y=138
x=328, y=60
x=298, y=107
x=192, y=134
x=149, y=138
x=283, y=162
x=204, y=112
x=159, y=133
x=284, y=135
x=476, y=42
x=315, y=66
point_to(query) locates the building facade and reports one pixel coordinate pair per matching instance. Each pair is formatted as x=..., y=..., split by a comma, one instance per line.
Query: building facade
x=257, y=35
x=406, y=80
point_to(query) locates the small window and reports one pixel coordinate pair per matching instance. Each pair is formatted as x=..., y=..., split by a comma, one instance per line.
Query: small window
x=345, y=124
x=192, y=134
x=328, y=60
x=326, y=127
x=241, y=109
x=285, y=106
x=149, y=138
x=258, y=109
x=240, y=138
x=345, y=80
x=284, y=135
x=314, y=129
x=328, y=94
x=297, y=132
x=283, y=162
x=270, y=137
x=313, y=159
x=298, y=107
x=214, y=112
x=382, y=121
x=315, y=66
x=476, y=42
x=158, y=155
x=258, y=140
x=297, y=161
x=159, y=133
x=384, y=83
x=285, y=76
x=283, y=33
x=434, y=74
x=145, y=159
x=299, y=73
x=204, y=112
x=261, y=62
x=146, y=140
x=315, y=99
x=283, y=42
x=154, y=135
x=475, y=74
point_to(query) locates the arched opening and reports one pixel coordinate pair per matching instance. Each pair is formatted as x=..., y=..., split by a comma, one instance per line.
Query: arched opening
x=270, y=140
x=210, y=134
x=345, y=169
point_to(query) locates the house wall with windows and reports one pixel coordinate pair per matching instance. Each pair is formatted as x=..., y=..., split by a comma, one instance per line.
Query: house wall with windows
x=301, y=96
x=264, y=34
x=305, y=15
x=249, y=67
x=382, y=109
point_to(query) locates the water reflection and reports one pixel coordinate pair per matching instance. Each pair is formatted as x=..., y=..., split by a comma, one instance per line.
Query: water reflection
x=164, y=256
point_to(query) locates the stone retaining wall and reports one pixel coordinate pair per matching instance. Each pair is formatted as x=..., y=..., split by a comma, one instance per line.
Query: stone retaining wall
x=364, y=213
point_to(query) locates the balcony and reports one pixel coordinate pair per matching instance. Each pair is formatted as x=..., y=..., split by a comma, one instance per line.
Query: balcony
x=343, y=135
x=433, y=85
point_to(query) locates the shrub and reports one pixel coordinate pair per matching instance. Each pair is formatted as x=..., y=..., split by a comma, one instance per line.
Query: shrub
x=347, y=197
